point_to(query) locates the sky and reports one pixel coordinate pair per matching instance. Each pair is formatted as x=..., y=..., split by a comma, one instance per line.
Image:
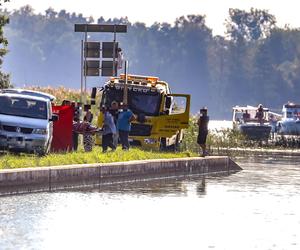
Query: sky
x=216, y=11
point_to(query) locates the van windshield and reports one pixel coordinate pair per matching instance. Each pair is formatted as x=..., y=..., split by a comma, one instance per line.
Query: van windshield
x=23, y=107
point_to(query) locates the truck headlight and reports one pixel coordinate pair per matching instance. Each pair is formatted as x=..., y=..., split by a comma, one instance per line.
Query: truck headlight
x=149, y=141
x=40, y=131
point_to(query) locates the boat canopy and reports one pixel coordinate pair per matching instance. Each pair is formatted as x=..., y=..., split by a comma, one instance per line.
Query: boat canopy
x=248, y=108
x=291, y=105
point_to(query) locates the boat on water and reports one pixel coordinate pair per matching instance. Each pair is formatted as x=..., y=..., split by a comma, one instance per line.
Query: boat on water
x=290, y=122
x=253, y=122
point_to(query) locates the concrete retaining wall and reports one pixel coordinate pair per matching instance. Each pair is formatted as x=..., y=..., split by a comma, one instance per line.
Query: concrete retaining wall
x=65, y=177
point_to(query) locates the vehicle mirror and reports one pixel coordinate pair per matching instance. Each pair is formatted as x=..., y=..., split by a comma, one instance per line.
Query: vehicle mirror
x=94, y=91
x=54, y=118
x=168, y=102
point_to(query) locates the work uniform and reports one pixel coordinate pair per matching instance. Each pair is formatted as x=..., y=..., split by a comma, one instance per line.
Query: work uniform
x=203, y=129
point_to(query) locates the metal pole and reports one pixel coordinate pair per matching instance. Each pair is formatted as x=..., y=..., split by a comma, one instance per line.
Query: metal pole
x=125, y=94
x=114, y=52
x=81, y=72
x=85, y=41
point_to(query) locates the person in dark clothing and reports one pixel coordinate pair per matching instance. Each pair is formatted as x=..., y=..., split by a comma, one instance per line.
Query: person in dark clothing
x=246, y=116
x=260, y=114
x=203, y=130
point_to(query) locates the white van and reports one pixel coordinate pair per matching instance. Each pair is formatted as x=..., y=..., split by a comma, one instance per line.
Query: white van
x=26, y=121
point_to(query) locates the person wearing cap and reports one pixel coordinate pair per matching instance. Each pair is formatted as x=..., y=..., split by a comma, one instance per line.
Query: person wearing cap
x=125, y=118
x=203, y=130
x=109, y=128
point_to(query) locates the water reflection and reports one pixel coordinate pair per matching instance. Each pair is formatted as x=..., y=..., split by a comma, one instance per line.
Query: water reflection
x=257, y=208
x=201, y=187
x=161, y=187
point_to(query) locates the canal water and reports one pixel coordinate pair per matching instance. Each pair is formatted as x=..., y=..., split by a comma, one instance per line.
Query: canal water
x=257, y=208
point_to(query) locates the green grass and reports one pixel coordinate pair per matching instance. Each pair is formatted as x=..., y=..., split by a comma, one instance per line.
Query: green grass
x=9, y=161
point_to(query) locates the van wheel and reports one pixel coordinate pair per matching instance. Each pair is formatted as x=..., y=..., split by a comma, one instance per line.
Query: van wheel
x=40, y=153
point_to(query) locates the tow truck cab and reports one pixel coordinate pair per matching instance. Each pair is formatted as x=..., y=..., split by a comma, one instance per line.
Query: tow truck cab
x=161, y=115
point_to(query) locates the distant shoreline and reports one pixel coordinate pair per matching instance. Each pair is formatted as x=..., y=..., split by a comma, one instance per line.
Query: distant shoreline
x=255, y=151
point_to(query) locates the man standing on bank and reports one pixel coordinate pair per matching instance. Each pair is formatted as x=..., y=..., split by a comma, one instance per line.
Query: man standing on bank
x=114, y=110
x=125, y=118
x=203, y=130
x=109, y=129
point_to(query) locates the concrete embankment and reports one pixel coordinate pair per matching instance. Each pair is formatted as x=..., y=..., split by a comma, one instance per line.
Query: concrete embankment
x=65, y=177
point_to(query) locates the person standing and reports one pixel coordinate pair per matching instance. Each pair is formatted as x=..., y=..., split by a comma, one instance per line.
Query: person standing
x=120, y=58
x=114, y=110
x=260, y=114
x=203, y=130
x=109, y=128
x=246, y=116
x=87, y=130
x=125, y=118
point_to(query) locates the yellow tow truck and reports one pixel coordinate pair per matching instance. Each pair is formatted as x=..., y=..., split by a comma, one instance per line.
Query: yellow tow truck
x=161, y=115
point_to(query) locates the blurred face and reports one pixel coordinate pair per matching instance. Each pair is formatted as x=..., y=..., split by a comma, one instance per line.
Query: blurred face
x=114, y=106
x=103, y=109
x=203, y=112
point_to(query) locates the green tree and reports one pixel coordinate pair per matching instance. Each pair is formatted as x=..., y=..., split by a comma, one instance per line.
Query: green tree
x=249, y=26
x=4, y=78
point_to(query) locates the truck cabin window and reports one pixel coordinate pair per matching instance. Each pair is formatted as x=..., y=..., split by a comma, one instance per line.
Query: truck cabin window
x=147, y=103
x=23, y=107
x=178, y=105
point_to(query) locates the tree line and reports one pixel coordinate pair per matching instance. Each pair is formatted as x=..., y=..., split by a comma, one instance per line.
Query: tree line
x=254, y=62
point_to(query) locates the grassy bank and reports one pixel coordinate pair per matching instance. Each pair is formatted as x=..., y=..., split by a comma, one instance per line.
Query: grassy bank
x=96, y=156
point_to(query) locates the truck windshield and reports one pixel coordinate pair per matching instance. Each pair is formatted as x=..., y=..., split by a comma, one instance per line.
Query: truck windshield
x=139, y=102
x=23, y=107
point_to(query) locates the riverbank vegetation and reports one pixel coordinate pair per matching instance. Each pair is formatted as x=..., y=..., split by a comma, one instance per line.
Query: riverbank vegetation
x=223, y=138
x=8, y=160
x=232, y=139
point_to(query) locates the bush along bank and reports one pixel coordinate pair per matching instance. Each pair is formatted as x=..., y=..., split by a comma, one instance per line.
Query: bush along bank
x=232, y=142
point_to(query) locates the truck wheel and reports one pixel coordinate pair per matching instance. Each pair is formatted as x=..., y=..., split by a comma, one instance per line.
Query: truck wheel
x=40, y=153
